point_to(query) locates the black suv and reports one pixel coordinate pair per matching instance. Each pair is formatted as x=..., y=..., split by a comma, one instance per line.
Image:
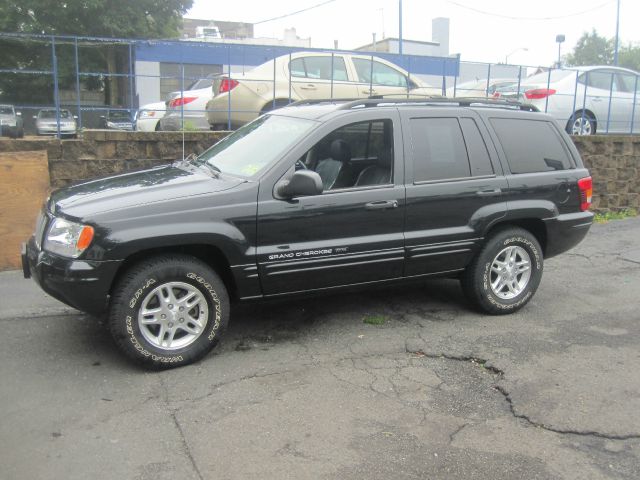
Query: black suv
x=314, y=197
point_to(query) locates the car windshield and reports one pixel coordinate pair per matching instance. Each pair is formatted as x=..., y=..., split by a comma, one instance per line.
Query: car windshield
x=253, y=146
x=119, y=116
x=52, y=114
x=5, y=110
x=201, y=83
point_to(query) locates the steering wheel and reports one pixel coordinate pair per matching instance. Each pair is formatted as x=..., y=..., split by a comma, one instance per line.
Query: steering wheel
x=299, y=165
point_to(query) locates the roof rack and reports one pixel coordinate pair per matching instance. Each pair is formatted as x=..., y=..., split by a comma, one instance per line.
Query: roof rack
x=389, y=100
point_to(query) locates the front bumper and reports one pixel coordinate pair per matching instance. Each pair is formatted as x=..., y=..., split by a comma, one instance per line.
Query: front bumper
x=81, y=284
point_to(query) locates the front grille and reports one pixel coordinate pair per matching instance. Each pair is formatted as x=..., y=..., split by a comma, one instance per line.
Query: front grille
x=41, y=225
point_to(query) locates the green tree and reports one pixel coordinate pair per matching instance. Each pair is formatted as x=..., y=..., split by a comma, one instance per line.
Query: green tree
x=591, y=49
x=95, y=18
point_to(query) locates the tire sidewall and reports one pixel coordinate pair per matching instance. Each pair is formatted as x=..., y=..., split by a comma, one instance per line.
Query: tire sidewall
x=509, y=239
x=124, y=313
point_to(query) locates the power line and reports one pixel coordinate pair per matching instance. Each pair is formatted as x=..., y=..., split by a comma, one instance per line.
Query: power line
x=294, y=13
x=510, y=17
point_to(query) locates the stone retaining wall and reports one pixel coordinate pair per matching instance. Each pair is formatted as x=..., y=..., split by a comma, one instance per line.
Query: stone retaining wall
x=614, y=160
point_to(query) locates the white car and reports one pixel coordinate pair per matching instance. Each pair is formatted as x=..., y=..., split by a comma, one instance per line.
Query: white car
x=149, y=115
x=47, y=122
x=304, y=76
x=583, y=98
x=187, y=109
x=480, y=88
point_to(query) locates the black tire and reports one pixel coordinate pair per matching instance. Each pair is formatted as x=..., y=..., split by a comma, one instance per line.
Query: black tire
x=479, y=276
x=590, y=124
x=136, y=288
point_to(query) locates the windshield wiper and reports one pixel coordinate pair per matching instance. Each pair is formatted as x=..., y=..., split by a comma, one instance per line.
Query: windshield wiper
x=212, y=168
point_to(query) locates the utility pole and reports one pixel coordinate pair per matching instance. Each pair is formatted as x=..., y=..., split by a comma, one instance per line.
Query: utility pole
x=615, y=51
x=400, y=26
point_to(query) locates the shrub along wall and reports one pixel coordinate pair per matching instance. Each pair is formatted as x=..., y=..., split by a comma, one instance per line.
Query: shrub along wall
x=614, y=161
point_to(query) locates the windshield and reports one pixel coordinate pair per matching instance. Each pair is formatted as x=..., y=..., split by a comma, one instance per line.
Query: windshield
x=201, y=83
x=252, y=147
x=119, y=116
x=5, y=110
x=52, y=114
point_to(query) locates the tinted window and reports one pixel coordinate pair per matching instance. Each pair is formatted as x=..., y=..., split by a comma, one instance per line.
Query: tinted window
x=382, y=74
x=531, y=145
x=319, y=68
x=476, y=148
x=600, y=79
x=626, y=82
x=438, y=149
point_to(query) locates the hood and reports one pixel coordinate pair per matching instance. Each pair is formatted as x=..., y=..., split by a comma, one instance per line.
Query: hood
x=136, y=189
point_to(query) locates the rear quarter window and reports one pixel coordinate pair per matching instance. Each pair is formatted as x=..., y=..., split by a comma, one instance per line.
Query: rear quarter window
x=531, y=145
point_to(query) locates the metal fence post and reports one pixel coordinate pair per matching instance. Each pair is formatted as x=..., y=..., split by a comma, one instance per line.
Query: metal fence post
x=444, y=78
x=56, y=98
x=371, y=77
x=78, y=100
x=408, y=74
x=584, y=102
x=332, y=59
x=609, y=106
x=546, y=99
x=486, y=88
x=290, y=77
x=575, y=97
x=633, y=108
x=229, y=91
x=519, y=81
x=130, y=81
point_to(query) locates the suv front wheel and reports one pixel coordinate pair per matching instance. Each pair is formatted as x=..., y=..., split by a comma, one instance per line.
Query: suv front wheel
x=506, y=273
x=168, y=311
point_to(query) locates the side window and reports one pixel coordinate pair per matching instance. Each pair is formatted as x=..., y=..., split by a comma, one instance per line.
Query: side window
x=476, y=148
x=531, y=145
x=382, y=74
x=626, y=82
x=356, y=155
x=319, y=68
x=600, y=79
x=439, y=152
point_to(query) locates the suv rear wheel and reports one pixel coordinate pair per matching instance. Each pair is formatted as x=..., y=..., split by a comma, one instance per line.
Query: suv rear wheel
x=506, y=273
x=168, y=311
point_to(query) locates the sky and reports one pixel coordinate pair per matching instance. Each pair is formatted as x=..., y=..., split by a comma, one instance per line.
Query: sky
x=526, y=31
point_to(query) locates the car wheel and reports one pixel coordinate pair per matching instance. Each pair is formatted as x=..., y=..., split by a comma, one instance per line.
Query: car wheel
x=581, y=123
x=168, y=311
x=506, y=273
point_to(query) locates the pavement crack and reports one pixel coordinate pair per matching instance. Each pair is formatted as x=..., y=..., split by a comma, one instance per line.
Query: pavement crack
x=453, y=434
x=561, y=431
x=183, y=439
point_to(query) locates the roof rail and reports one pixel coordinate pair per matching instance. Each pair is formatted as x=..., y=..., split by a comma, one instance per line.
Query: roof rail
x=377, y=100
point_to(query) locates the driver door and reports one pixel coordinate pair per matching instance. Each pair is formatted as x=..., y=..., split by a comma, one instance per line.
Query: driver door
x=347, y=235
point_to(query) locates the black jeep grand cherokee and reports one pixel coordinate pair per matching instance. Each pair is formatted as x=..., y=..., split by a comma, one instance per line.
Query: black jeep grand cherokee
x=314, y=197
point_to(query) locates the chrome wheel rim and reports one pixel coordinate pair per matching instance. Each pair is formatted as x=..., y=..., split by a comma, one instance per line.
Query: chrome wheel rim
x=173, y=315
x=581, y=126
x=510, y=272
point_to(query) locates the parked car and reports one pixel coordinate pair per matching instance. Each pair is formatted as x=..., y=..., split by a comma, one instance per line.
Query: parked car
x=311, y=198
x=148, y=117
x=579, y=98
x=480, y=87
x=117, y=120
x=311, y=74
x=47, y=123
x=11, y=122
x=187, y=109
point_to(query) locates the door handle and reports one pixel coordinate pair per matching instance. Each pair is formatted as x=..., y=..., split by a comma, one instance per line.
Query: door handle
x=596, y=99
x=489, y=193
x=381, y=205
x=308, y=86
x=370, y=92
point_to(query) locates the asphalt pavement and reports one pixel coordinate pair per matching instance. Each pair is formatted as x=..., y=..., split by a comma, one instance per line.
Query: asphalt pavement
x=402, y=383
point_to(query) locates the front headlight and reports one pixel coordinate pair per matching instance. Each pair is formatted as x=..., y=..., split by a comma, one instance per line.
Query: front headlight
x=68, y=239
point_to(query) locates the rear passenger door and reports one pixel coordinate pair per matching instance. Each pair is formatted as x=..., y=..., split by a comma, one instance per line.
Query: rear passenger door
x=321, y=76
x=455, y=189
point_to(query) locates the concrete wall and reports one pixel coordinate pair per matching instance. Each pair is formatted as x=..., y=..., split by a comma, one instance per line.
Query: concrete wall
x=614, y=161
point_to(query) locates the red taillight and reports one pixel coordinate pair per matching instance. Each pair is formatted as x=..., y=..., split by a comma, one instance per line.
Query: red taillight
x=538, y=93
x=586, y=191
x=227, y=84
x=177, y=102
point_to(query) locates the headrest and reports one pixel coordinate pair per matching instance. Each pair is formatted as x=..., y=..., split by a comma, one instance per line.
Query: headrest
x=385, y=158
x=340, y=150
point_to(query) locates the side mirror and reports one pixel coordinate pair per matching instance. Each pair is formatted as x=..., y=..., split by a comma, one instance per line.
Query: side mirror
x=303, y=183
x=102, y=116
x=19, y=114
x=75, y=116
x=35, y=116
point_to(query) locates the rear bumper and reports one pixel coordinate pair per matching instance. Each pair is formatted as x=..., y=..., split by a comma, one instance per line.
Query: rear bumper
x=81, y=284
x=566, y=231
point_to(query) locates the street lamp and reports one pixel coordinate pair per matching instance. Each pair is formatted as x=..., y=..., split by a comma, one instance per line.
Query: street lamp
x=559, y=39
x=506, y=57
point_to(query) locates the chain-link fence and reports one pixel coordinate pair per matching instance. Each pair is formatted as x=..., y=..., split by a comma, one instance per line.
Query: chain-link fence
x=62, y=84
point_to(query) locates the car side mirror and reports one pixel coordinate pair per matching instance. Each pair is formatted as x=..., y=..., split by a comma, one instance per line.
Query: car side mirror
x=102, y=116
x=35, y=116
x=19, y=114
x=303, y=183
x=75, y=116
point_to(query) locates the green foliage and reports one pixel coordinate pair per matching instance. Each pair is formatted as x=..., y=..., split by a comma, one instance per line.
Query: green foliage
x=374, y=319
x=593, y=49
x=95, y=18
x=619, y=215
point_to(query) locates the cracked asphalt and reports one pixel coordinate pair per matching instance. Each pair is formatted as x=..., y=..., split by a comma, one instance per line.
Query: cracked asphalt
x=307, y=389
